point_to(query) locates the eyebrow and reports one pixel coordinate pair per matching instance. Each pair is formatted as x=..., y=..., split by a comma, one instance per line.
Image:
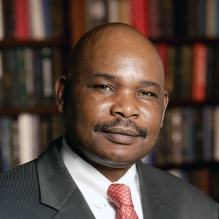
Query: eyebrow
x=103, y=75
x=112, y=78
x=151, y=83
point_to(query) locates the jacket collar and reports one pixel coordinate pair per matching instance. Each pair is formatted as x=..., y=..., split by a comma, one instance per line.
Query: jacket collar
x=59, y=191
x=57, y=188
x=155, y=201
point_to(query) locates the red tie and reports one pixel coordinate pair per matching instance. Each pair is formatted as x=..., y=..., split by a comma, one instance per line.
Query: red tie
x=120, y=195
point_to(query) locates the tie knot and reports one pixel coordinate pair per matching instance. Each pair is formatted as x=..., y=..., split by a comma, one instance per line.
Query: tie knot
x=120, y=194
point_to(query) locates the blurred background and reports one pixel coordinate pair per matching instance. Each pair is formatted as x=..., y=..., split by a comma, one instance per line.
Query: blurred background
x=36, y=38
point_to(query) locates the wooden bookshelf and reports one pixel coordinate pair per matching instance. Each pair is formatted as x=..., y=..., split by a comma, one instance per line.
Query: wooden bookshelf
x=79, y=18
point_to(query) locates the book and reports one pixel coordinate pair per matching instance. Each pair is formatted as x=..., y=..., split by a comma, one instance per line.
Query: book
x=112, y=11
x=202, y=18
x=186, y=69
x=12, y=68
x=199, y=72
x=8, y=18
x=29, y=77
x=153, y=18
x=38, y=76
x=1, y=21
x=177, y=136
x=215, y=66
x=140, y=16
x=124, y=11
x=22, y=92
x=211, y=18
x=47, y=18
x=166, y=15
x=189, y=134
x=28, y=137
x=210, y=72
x=1, y=82
x=37, y=19
x=97, y=13
x=180, y=17
x=170, y=72
x=199, y=135
x=208, y=132
x=216, y=136
x=162, y=49
x=5, y=130
x=21, y=18
x=7, y=85
x=47, y=75
x=55, y=19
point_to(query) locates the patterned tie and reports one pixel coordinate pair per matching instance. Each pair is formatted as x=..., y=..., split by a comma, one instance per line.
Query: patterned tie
x=120, y=195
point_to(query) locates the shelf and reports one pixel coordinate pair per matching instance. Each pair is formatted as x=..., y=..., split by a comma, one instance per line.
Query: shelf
x=34, y=110
x=191, y=103
x=190, y=166
x=33, y=43
x=185, y=40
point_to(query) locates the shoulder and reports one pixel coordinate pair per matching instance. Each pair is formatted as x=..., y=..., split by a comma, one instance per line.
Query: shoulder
x=183, y=196
x=23, y=171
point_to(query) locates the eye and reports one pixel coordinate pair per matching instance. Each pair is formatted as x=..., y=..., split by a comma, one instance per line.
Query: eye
x=147, y=94
x=102, y=87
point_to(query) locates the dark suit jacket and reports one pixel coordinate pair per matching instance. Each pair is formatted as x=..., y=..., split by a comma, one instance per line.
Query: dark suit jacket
x=44, y=189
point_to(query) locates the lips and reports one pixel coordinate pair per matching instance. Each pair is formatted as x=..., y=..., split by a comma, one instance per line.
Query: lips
x=121, y=136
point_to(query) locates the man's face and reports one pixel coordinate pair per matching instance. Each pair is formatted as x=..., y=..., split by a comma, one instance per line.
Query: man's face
x=115, y=108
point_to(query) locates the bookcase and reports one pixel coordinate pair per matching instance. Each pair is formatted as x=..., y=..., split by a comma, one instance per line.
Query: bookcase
x=35, y=42
x=186, y=35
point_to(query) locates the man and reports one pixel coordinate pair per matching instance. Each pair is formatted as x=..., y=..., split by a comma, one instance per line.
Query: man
x=114, y=101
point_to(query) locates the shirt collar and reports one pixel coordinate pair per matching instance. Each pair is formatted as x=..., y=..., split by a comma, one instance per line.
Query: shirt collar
x=89, y=180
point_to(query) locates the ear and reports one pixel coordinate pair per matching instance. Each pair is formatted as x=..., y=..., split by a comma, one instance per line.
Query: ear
x=166, y=100
x=61, y=93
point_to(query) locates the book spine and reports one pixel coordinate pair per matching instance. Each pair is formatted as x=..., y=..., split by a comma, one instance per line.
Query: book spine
x=1, y=21
x=28, y=136
x=36, y=19
x=113, y=10
x=23, y=102
x=210, y=18
x=5, y=142
x=97, y=11
x=21, y=16
x=8, y=18
x=46, y=18
x=139, y=16
x=216, y=136
x=124, y=11
x=199, y=73
x=1, y=81
x=47, y=75
x=29, y=76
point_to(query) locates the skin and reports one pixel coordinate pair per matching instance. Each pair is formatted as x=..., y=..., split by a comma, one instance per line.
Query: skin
x=113, y=98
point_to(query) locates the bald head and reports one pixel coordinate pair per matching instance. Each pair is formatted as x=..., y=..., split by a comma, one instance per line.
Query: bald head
x=112, y=36
x=115, y=99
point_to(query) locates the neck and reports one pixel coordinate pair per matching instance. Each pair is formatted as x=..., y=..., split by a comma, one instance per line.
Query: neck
x=111, y=172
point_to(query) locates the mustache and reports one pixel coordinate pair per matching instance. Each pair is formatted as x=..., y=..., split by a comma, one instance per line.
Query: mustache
x=101, y=127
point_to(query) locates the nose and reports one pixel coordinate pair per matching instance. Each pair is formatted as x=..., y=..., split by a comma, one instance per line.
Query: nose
x=125, y=105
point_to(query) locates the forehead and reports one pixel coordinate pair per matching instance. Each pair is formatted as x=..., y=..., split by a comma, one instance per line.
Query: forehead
x=124, y=60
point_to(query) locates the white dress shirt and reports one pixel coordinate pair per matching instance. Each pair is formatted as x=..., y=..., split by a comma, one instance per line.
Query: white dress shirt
x=94, y=185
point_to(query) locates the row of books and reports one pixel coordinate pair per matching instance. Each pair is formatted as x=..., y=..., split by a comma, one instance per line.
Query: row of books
x=27, y=76
x=205, y=179
x=159, y=18
x=191, y=71
x=31, y=19
x=24, y=137
x=189, y=134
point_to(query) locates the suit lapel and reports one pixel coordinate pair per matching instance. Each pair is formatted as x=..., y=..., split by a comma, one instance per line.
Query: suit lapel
x=57, y=188
x=155, y=201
